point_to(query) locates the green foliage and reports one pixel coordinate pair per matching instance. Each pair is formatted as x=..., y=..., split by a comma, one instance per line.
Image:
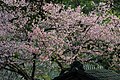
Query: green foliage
x=116, y=8
x=106, y=21
x=28, y=27
x=16, y=55
x=87, y=5
x=8, y=75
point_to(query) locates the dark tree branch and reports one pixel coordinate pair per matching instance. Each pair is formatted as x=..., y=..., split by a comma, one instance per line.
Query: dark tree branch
x=34, y=66
x=17, y=69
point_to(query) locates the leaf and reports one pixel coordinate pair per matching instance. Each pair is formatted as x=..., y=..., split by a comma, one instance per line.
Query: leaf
x=77, y=43
x=106, y=21
x=28, y=27
x=88, y=7
x=16, y=55
x=46, y=77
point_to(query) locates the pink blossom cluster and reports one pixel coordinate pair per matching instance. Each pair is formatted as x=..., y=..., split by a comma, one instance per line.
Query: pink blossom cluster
x=68, y=25
x=68, y=21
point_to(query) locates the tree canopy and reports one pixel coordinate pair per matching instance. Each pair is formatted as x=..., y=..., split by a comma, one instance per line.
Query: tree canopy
x=38, y=38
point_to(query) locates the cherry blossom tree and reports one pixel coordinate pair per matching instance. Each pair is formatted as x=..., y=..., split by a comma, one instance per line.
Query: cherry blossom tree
x=34, y=35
